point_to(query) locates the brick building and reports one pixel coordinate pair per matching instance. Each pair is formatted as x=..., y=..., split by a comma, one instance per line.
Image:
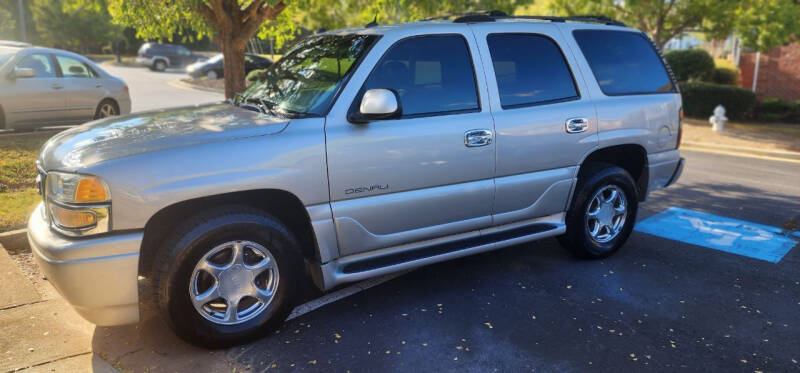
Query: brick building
x=778, y=72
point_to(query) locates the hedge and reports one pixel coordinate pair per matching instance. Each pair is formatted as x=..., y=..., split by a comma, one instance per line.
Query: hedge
x=779, y=110
x=700, y=99
x=723, y=75
x=690, y=64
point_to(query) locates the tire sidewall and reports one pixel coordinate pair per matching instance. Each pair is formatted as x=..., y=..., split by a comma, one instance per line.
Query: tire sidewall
x=576, y=224
x=100, y=106
x=174, y=296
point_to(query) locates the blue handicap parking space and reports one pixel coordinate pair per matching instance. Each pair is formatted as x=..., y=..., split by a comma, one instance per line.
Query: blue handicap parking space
x=740, y=237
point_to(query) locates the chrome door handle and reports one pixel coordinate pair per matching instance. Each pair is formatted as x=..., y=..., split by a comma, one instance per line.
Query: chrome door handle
x=57, y=86
x=98, y=85
x=577, y=125
x=475, y=138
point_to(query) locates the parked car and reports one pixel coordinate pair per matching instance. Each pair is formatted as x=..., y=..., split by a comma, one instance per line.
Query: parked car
x=365, y=151
x=159, y=57
x=212, y=67
x=43, y=86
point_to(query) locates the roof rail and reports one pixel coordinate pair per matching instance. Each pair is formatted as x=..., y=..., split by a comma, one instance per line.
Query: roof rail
x=493, y=15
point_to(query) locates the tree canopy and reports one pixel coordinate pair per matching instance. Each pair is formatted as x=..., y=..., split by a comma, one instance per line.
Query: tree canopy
x=762, y=24
x=81, y=28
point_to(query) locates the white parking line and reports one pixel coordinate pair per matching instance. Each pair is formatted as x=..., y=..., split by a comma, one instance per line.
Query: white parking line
x=342, y=293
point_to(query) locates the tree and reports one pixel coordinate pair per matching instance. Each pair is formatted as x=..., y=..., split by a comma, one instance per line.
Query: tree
x=7, y=23
x=230, y=22
x=82, y=29
x=761, y=23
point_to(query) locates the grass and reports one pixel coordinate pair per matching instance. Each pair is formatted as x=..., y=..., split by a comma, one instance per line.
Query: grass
x=18, y=194
x=783, y=129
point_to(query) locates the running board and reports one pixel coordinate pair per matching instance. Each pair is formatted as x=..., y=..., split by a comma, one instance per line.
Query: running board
x=365, y=265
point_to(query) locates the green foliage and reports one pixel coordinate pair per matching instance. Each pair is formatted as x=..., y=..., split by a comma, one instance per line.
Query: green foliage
x=763, y=24
x=779, y=110
x=700, y=99
x=8, y=25
x=256, y=76
x=723, y=75
x=690, y=64
x=81, y=29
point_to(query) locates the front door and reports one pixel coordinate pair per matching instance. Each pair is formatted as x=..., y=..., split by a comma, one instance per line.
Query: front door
x=36, y=100
x=413, y=178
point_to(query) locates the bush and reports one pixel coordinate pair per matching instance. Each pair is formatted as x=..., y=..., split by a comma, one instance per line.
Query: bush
x=690, y=64
x=256, y=76
x=723, y=75
x=700, y=99
x=779, y=110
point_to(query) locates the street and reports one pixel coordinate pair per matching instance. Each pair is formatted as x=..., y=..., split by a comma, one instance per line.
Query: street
x=155, y=90
x=657, y=305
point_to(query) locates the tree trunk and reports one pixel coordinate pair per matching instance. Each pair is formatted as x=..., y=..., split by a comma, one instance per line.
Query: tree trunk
x=233, y=66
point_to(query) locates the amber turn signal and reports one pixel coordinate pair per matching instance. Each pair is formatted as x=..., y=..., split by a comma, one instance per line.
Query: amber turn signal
x=90, y=189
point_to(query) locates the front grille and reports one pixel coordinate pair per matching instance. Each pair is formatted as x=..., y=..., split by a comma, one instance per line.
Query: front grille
x=40, y=179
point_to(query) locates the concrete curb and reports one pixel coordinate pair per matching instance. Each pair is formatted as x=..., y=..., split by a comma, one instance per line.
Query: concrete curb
x=778, y=154
x=183, y=85
x=15, y=241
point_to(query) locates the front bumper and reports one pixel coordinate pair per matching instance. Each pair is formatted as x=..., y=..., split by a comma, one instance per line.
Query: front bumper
x=97, y=276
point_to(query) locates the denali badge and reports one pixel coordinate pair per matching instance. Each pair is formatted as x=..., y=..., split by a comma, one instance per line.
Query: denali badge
x=366, y=189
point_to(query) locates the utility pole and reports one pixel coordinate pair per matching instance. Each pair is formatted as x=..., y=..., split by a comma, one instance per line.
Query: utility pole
x=22, y=31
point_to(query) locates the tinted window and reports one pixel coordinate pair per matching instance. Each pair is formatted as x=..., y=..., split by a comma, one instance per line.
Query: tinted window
x=40, y=63
x=431, y=74
x=623, y=62
x=72, y=68
x=530, y=69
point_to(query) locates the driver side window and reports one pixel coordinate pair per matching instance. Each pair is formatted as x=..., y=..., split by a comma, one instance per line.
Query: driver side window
x=432, y=75
x=40, y=64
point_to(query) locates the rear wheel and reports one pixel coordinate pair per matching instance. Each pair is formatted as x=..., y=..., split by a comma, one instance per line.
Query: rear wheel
x=106, y=108
x=211, y=74
x=602, y=212
x=227, y=276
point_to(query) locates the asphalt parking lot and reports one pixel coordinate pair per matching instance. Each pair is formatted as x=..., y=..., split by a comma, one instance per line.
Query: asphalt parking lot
x=658, y=305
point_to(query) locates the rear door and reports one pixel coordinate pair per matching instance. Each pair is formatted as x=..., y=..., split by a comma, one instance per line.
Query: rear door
x=35, y=100
x=82, y=86
x=413, y=178
x=544, y=118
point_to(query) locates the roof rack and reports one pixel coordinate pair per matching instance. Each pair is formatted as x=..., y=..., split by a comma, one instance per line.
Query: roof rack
x=493, y=15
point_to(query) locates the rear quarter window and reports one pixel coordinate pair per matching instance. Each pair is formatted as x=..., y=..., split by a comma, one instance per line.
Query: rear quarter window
x=624, y=62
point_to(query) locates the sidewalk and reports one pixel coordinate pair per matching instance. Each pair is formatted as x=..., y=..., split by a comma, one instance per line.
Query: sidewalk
x=39, y=332
x=772, y=140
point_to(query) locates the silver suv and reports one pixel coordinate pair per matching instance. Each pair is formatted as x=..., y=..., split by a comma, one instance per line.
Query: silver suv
x=363, y=152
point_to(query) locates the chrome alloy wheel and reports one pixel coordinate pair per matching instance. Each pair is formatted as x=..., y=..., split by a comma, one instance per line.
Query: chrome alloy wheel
x=107, y=110
x=606, y=213
x=234, y=282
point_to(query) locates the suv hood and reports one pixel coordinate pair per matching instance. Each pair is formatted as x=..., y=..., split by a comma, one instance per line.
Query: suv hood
x=118, y=137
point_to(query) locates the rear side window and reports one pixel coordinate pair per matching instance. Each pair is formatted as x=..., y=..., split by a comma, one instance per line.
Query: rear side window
x=431, y=74
x=623, y=62
x=530, y=70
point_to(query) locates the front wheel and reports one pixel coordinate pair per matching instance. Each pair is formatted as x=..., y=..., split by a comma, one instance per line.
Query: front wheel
x=227, y=276
x=106, y=108
x=602, y=212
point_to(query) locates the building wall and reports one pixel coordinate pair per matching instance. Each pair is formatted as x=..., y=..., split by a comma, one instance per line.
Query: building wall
x=778, y=72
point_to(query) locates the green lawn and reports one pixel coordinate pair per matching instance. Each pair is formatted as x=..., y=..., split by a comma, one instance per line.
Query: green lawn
x=18, y=194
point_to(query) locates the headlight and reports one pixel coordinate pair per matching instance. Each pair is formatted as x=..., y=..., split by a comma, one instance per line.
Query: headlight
x=77, y=205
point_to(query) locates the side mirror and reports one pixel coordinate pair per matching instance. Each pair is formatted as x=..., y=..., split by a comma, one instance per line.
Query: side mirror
x=22, y=72
x=377, y=104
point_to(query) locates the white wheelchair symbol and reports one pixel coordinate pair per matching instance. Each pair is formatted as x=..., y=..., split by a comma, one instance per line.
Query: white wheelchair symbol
x=725, y=236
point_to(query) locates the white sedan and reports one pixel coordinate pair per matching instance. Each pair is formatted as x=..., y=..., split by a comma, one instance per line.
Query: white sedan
x=46, y=87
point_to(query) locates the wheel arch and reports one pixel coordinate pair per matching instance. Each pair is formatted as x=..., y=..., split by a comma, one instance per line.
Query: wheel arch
x=630, y=157
x=282, y=204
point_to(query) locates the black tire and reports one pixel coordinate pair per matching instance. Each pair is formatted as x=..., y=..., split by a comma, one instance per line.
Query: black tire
x=159, y=65
x=98, y=113
x=591, y=179
x=194, y=238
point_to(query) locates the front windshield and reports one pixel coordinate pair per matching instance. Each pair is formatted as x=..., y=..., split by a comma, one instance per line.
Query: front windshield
x=6, y=53
x=306, y=79
x=216, y=58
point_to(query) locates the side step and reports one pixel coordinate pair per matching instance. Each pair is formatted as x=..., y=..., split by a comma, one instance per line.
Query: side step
x=362, y=266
